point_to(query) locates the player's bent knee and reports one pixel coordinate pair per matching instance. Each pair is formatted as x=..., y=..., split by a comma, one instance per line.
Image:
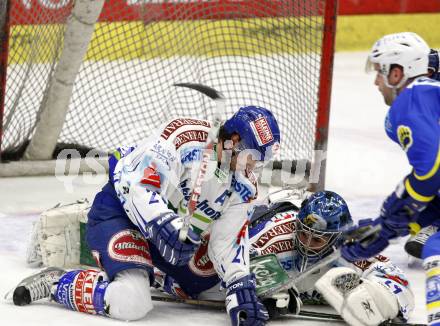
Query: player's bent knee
x=128, y=296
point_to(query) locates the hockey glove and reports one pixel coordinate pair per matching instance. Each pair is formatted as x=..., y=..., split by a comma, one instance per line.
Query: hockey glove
x=365, y=247
x=243, y=305
x=164, y=234
x=397, y=211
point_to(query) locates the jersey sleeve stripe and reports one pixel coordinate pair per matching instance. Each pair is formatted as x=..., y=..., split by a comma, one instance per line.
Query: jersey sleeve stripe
x=416, y=195
x=433, y=170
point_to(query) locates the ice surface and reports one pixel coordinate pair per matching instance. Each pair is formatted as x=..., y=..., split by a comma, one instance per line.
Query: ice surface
x=363, y=166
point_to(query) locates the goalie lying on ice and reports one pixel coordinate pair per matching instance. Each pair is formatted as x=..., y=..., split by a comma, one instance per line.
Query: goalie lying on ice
x=364, y=293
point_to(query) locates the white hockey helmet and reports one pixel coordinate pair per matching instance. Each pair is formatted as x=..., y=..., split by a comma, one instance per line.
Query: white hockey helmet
x=406, y=49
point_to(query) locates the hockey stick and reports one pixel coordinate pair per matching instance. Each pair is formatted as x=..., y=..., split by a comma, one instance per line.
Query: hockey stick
x=210, y=141
x=306, y=314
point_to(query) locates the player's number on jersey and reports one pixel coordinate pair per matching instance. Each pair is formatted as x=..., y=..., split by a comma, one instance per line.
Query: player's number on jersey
x=239, y=255
x=390, y=284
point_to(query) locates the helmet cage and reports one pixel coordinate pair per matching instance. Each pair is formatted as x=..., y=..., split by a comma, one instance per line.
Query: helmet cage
x=312, y=243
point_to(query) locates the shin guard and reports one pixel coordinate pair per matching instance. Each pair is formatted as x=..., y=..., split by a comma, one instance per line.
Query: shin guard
x=82, y=290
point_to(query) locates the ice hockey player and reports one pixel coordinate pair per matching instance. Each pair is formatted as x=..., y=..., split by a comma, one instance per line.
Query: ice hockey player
x=426, y=224
x=400, y=61
x=366, y=292
x=145, y=181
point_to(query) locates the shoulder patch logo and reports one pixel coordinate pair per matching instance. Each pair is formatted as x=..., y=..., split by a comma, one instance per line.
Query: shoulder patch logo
x=404, y=134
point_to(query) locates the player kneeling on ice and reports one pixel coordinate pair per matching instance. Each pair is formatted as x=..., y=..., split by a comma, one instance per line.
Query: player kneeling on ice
x=134, y=224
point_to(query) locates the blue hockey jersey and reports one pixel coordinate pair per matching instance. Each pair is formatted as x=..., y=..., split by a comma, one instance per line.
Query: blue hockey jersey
x=413, y=123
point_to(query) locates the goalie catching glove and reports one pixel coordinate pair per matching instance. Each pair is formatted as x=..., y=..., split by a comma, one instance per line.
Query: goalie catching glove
x=359, y=301
x=164, y=234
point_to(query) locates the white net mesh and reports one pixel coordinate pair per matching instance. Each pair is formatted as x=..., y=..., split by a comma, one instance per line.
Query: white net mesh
x=264, y=53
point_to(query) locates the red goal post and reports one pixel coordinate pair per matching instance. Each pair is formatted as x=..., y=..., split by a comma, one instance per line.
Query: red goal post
x=277, y=54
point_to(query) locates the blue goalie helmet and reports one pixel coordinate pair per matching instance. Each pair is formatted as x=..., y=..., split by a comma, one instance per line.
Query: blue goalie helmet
x=320, y=222
x=258, y=130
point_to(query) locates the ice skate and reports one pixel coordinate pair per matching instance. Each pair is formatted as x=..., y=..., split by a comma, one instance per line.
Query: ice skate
x=37, y=286
x=414, y=245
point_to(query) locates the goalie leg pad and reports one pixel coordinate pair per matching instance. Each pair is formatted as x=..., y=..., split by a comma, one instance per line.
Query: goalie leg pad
x=360, y=302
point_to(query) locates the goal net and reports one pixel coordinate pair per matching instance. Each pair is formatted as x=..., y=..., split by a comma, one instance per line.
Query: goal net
x=276, y=54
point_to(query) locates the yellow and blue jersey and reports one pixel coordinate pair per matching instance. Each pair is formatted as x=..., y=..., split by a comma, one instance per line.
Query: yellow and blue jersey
x=413, y=122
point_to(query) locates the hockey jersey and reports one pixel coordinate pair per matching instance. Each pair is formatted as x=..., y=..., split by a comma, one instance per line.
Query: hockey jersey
x=158, y=174
x=413, y=123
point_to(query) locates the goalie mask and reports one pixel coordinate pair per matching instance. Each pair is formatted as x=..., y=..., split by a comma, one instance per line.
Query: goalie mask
x=319, y=225
x=258, y=130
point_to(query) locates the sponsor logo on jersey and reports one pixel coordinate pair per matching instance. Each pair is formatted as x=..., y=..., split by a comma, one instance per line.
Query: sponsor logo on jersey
x=245, y=192
x=200, y=264
x=189, y=136
x=404, y=134
x=191, y=154
x=151, y=177
x=203, y=206
x=83, y=291
x=278, y=247
x=163, y=154
x=262, y=132
x=178, y=123
x=286, y=228
x=207, y=210
x=129, y=246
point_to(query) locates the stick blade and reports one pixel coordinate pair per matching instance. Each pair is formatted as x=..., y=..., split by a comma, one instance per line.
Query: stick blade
x=206, y=90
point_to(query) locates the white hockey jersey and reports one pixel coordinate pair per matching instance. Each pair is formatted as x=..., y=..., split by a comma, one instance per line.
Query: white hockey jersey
x=159, y=172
